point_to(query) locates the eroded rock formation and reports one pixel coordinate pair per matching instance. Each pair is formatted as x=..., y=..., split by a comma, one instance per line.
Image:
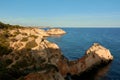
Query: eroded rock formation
x=95, y=55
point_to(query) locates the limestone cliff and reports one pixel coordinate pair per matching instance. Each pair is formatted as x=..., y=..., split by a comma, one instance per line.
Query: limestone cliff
x=25, y=54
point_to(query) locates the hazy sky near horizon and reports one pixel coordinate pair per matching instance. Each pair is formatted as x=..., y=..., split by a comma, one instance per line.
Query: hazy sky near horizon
x=61, y=13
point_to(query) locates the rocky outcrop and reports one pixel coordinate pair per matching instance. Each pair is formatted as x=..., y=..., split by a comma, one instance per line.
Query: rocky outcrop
x=26, y=55
x=56, y=31
x=95, y=55
x=30, y=52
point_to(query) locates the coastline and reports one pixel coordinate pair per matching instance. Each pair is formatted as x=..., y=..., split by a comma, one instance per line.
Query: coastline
x=30, y=52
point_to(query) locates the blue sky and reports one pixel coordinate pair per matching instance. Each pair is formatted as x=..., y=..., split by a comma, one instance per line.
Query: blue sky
x=61, y=13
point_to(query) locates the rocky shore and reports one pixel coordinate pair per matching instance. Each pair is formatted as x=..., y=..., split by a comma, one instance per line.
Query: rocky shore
x=26, y=55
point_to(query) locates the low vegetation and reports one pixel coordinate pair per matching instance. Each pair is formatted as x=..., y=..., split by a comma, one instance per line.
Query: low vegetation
x=31, y=44
x=24, y=39
x=4, y=43
x=16, y=63
x=8, y=26
x=34, y=36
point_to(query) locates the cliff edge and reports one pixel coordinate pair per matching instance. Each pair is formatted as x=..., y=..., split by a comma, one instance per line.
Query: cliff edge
x=26, y=55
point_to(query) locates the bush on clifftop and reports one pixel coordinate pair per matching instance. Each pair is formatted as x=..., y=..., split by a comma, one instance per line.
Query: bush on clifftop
x=8, y=26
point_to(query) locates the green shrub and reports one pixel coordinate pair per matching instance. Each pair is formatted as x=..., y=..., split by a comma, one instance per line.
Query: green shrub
x=8, y=61
x=8, y=26
x=4, y=41
x=20, y=64
x=14, y=40
x=41, y=60
x=24, y=34
x=24, y=39
x=4, y=50
x=4, y=45
x=34, y=36
x=31, y=44
x=16, y=33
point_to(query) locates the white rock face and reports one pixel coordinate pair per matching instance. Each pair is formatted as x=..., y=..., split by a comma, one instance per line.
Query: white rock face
x=55, y=31
x=33, y=31
x=96, y=55
x=102, y=52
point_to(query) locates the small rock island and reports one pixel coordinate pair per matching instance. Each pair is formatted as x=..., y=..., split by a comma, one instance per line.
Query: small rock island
x=56, y=31
x=26, y=55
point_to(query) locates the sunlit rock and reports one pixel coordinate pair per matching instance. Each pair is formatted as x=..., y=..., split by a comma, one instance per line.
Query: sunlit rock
x=56, y=31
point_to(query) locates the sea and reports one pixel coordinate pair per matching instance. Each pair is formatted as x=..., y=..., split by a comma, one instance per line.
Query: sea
x=77, y=40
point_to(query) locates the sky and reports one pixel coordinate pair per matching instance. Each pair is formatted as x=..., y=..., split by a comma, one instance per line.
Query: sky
x=61, y=13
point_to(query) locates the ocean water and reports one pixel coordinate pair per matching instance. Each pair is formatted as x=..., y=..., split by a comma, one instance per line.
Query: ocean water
x=78, y=40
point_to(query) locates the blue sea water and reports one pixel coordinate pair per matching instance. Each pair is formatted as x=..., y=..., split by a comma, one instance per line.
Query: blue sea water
x=78, y=40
